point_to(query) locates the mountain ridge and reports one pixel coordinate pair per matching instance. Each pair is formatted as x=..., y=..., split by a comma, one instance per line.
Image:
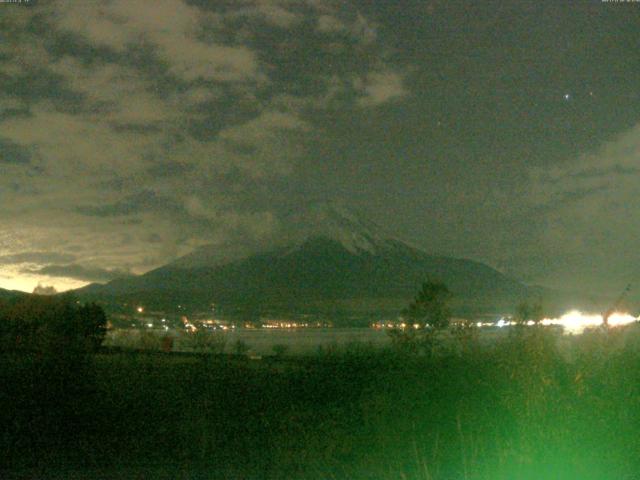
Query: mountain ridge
x=338, y=258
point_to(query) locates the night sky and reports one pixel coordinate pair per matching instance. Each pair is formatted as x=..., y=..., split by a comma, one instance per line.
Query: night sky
x=133, y=131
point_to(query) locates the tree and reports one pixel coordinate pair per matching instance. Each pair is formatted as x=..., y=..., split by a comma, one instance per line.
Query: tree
x=430, y=308
x=528, y=311
x=92, y=324
x=430, y=312
x=208, y=342
x=51, y=324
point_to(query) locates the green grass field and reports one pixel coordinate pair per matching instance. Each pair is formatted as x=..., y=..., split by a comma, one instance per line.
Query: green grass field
x=522, y=408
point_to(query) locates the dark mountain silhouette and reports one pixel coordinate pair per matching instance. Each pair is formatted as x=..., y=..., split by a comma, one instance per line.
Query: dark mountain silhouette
x=7, y=294
x=338, y=259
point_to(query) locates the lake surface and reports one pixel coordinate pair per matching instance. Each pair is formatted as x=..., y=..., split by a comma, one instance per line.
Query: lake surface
x=262, y=341
x=307, y=340
x=298, y=341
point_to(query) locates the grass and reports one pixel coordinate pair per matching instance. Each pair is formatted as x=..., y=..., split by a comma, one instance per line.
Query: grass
x=529, y=406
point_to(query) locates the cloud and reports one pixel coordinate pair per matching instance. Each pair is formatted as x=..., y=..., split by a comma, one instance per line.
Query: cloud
x=36, y=257
x=585, y=212
x=114, y=93
x=330, y=24
x=616, y=169
x=79, y=272
x=145, y=201
x=263, y=145
x=133, y=133
x=171, y=26
x=381, y=87
x=269, y=12
x=11, y=152
x=364, y=30
x=614, y=165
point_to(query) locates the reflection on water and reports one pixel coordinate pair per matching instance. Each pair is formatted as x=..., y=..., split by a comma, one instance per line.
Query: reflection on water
x=262, y=341
x=307, y=340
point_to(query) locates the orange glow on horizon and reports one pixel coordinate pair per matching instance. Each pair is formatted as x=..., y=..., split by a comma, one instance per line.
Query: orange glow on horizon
x=15, y=280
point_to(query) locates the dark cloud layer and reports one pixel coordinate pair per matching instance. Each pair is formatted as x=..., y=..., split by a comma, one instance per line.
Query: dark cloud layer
x=36, y=257
x=502, y=131
x=13, y=153
x=145, y=201
x=78, y=272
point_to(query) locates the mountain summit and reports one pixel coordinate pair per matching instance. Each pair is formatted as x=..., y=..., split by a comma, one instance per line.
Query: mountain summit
x=327, y=220
x=353, y=232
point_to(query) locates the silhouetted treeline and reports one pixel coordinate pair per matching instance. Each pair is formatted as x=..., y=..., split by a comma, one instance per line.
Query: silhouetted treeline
x=50, y=324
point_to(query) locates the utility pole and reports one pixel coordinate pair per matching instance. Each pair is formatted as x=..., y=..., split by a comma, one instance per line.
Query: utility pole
x=607, y=314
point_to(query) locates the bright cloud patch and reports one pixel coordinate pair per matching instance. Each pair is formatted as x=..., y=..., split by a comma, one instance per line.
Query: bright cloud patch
x=133, y=132
x=586, y=212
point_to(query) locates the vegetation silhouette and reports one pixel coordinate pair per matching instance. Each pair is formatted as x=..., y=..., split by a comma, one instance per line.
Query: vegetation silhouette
x=430, y=308
x=428, y=314
x=51, y=325
x=529, y=311
x=49, y=381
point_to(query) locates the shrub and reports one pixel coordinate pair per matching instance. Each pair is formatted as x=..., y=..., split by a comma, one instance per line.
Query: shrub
x=51, y=324
x=207, y=342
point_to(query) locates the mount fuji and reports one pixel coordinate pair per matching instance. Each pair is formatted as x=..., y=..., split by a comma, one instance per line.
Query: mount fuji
x=331, y=259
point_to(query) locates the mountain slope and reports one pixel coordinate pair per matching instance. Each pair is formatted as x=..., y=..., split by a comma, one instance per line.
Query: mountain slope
x=340, y=258
x=8, y=294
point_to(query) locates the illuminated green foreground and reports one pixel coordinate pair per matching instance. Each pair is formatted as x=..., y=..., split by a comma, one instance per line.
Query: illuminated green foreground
x=528, y=407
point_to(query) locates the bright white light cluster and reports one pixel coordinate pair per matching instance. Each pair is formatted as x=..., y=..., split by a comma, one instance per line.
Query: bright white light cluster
x=576, y=322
